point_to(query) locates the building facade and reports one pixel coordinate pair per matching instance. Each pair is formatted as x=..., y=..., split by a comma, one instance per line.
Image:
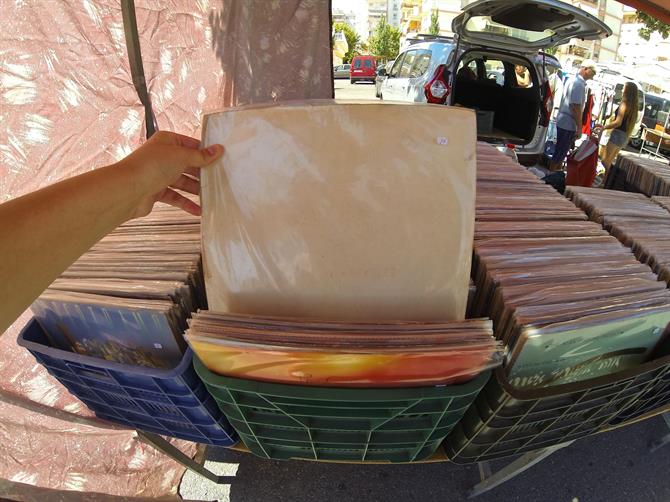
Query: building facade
x=603, y=51
x=446, y=10
x=355, y=14
x=633, y=49
x=393, y=12
x=376, y=10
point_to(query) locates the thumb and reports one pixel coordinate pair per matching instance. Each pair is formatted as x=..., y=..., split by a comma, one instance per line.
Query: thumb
x=204, y=156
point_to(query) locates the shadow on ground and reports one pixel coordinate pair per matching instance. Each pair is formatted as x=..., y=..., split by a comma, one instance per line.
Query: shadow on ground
x=612, y=467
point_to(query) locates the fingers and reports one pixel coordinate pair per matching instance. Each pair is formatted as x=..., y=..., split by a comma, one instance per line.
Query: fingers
x=186, y=141
x=191, y=158
x=172, y=138
x=174, y=199
x=190, y=149
x=193, y=171
x=187, y=184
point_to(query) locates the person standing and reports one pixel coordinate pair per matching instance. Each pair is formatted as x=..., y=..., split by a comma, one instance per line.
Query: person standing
x=569, y=118
x=556, y=87
x=622, y=124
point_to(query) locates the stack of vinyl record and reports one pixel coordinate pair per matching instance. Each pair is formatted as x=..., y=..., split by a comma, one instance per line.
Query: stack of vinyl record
x=637, y=221
x=350, y=273
x=343, y=354
x=649, y=176
x=662, y=200
x=569, y=300
x=604, y=204
x=128, y=298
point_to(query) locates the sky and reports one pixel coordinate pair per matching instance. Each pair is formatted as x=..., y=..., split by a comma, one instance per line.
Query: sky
x=350, y=5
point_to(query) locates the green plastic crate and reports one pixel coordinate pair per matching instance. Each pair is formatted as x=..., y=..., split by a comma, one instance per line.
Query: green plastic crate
x=281, y=421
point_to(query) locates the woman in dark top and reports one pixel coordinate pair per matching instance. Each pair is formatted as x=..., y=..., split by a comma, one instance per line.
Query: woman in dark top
x=622, y=124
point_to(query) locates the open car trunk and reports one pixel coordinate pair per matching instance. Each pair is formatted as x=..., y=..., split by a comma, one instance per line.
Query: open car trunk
x=506, y=111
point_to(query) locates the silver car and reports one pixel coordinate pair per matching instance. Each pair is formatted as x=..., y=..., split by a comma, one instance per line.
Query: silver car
x=341, y=71
x=494, y=38
x=379, y=79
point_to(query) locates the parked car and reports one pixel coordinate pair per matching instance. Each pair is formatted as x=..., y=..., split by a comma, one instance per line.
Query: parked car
x=380, y=78
x=655, y=116
x=363, y=68
x=341, y=71
x=491, y=36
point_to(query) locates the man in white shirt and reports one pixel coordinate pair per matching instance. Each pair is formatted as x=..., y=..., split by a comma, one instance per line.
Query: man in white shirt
x=569, y=118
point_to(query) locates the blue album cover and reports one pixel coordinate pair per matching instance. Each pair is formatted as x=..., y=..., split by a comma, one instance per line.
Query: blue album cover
x=137, y=336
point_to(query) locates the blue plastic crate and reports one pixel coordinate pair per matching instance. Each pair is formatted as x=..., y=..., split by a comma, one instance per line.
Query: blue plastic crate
x=169, y=402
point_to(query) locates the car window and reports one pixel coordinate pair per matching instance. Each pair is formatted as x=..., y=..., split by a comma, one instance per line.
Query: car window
x=662, y=114
x=551, y=69
x=495, y=71
x=347, y=67
x=467, y=71
x=407, y=64
x=367, y=63
x=651, y=110
x=357, y=64
x=421, y=63
x=396, y=66
x=523, y=78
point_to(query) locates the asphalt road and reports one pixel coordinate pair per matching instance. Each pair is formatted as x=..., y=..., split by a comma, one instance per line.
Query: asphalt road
x=359, y=90
x=612, y=467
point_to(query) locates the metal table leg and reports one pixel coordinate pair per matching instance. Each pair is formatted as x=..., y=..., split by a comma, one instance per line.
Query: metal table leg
x=177, y=455
x=490, y=481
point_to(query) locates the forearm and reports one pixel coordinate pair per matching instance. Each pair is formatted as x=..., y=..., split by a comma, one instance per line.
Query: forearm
x=576, y=115
x=45, y=231
x=613, y=124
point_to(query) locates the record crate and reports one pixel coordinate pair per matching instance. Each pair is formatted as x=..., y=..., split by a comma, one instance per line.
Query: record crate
x=506, y=421
x=282, y=421
x=655, y=399
x=172, y=402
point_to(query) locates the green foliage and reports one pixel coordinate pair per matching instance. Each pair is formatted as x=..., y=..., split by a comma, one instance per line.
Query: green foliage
x=353, y=40
x=434, y=23
x=651, y=25
x=385, y=43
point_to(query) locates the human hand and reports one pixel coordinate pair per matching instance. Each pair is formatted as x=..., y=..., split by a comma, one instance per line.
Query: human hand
x=165, y=162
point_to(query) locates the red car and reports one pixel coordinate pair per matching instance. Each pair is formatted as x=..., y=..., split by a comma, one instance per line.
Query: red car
x=363, y=68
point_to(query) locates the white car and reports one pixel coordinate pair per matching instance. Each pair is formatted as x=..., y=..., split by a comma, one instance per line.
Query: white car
x=381, y=76
x=493, y=38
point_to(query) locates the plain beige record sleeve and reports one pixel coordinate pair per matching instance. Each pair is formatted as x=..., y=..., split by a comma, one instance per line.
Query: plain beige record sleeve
x=340, y=210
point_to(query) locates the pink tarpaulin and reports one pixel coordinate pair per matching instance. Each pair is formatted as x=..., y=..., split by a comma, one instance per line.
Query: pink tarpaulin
x=67, y=105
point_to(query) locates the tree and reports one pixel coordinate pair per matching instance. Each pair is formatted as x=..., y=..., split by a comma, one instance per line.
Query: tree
x=434, y=23
x=353, y=40
x=651, y=25
x=385, y=43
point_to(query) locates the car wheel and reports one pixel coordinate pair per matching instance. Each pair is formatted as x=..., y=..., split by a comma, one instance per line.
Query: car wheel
x=352, y=81
x=636, y=142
